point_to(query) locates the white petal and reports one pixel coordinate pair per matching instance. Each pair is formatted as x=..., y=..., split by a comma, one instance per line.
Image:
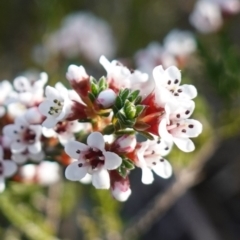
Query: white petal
x=73, y=149
x=173, y=74
x=112, y=160
x=33, y=116
x=101, y=179
x=21, y=84
x=19, y=158
x=75, y=171
x=49, y=122
x=105, y=63
x=2, y=184
x=48, y=132
x=37, y=157
x=9, y=167
x=17, y=147
x=44, y=107
x=147, y=175
x=2, y=111
x=95, y=140
x=87, y=179
x=163, y=132
x=158, y=73
x=9, y=131
x=184, y=144
x=188, y=91
x=52, y=93
x=163, y=169
x=35, y=148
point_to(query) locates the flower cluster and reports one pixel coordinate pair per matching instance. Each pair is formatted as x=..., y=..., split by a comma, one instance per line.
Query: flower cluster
x=94, y=129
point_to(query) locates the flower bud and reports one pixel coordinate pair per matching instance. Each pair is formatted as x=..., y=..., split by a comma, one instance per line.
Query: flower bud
x=106, y=98
x=126, y=143
x=121, y=190
x=76, y=73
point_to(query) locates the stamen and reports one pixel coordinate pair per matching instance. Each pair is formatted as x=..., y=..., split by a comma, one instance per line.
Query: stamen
x=184, y=130
x=80, y=165
x=190, y=126
x=187, y=112
x=169, y=82
x=176, y=81
x=161, y=160
x=78, y=151
x=178, y=115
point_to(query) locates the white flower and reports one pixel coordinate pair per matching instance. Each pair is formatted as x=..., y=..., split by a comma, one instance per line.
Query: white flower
x=23, y=136
x=56, y=107
x=121, y=190
x=180, y=43
x=106, y=98
x=29, y=92
x=7, y=169
x=206, y=16
x=93, y=159
x=149, y=157
x=76, y=73
x=21, y=158
x=171, y=79
x=87, y=179
x=46, y=173
x=176, y=127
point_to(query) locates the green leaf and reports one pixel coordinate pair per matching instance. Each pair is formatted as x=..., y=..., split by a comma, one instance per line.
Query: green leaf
x=128, y=164
x=108, y=130
x=91, y=97
x=94, y=89
x=129, y=109
x=119, y=102
x=133, y=95
x=138, y=100
x=93, y=80
x=125, y=94
x=139, y=110
x=122, y=170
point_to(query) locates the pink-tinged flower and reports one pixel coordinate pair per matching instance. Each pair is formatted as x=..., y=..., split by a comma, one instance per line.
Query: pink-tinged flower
x=22, y=157
x=228, y=7
x=106, y=98
x=46, y=173
x=120, y=187
x=65, y=130
x=29, y=92
x=24, y=136
x=177, y=128
x=171, y=79
x=125, y=143
x=179, y=43
x=93, y=159
x=7, y=169
x=206, y=16
x=149, y=157
x=58, y=107
x=79, y=80
x=153, y=55
x=119, y=76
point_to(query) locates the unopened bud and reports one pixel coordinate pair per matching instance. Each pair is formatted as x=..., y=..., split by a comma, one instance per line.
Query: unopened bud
x=76, y=73
x=106, y=98
x=126, y=143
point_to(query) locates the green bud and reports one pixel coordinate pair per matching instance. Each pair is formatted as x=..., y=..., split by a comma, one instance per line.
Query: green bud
x=129, y=109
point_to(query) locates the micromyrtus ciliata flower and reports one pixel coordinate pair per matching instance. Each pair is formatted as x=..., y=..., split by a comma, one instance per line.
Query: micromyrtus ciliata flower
x=94, y=129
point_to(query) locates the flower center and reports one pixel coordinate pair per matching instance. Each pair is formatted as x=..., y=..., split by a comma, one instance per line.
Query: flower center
x=56, y=108
x=94, y=158
x=29, y=136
